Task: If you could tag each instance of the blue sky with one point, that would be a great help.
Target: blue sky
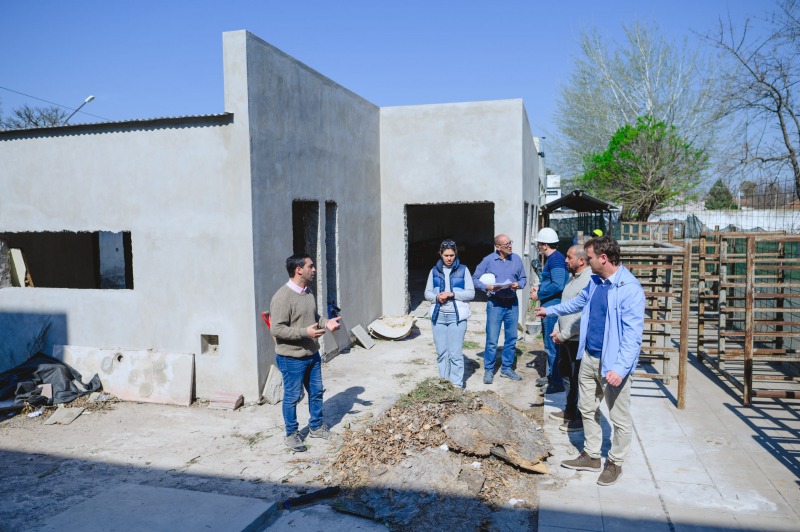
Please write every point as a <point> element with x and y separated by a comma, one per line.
<point>148,58</point>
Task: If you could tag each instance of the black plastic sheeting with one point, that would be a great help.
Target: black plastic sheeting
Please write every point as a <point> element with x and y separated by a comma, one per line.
<point>22,383</point>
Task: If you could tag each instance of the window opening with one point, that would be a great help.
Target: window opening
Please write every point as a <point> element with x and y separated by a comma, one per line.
<point>85,260</point>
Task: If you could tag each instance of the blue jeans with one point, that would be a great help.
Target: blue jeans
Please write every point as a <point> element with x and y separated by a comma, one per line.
<point>551,349</point>
<point>299,373</point>
<point>448,335</point>
<point>506,313</point>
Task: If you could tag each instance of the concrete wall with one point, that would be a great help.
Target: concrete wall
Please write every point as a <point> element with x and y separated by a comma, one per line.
<point>184,194</point>
<point>463,152</point>
<point>312,140</point>
<point>209,208</point>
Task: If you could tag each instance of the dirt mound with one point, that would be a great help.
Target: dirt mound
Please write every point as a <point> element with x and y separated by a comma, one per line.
<point>438,449</point>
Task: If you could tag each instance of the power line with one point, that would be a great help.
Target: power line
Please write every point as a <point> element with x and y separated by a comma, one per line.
<point>53,103</point>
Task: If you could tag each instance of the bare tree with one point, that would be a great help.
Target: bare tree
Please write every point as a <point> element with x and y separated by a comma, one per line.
<point>27,117</point>
<point>759,88</point>
<point>613,84</point>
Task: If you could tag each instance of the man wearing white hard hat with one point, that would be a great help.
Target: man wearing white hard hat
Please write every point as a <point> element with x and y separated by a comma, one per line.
<point>500,274</point>
<point>554,278</point>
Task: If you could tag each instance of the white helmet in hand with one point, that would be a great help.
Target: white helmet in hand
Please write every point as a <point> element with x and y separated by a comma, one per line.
<point>547,236</point>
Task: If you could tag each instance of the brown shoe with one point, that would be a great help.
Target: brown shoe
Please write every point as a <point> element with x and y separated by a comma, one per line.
<point>561,416</point>
<point>576,425</point>
<point>610,474</point>
<point>583,463</point>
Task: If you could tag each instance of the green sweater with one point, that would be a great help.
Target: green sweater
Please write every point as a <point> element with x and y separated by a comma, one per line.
<point>290,315</point>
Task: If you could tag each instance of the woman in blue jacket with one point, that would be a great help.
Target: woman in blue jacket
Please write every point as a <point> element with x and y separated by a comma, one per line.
<point>449,289</point>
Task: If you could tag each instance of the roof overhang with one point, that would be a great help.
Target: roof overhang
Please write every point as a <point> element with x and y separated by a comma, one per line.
<point>578,201</point>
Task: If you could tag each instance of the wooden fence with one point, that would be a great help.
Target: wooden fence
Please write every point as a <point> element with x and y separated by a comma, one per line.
<point>664,271</point>
<point>749,310</point>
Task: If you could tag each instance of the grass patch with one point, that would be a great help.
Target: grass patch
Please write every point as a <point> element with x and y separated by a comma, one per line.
<point>523,348</point>
<point>432,390</point>
<point>469,344</point>
<point>418,361</point>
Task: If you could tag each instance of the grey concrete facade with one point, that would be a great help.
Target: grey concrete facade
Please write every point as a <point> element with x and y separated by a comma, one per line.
<point>453,153</point>
<point>208,202</point>
<point>312,140</point>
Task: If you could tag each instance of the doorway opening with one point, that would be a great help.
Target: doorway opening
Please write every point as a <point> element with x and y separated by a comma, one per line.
<point>332,256</point>
<point>305,231</point>
<point>470,225</point>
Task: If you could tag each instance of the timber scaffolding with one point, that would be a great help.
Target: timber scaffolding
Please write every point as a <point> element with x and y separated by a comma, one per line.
<point>743,304</point>
<point>664,270</point>
<point>749,310</point>
<point>672,232</point>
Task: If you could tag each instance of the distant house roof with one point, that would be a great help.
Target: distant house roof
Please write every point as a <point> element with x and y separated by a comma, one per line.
<point>578,201</point>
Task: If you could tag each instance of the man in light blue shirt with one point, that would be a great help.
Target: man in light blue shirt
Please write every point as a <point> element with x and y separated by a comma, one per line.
<point>612,322</point>
<point>502,307</point>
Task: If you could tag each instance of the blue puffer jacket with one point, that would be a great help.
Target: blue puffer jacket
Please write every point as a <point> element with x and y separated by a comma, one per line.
<point>458,285</point>
<point>622,339</point>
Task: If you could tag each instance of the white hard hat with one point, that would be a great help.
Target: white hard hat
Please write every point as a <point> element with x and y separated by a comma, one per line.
<point>547,236</point>
<point>487,278</point>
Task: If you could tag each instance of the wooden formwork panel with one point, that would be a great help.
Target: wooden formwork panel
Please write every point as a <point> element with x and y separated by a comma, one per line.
<point>749,307</point>
<point>663,269</point>
<point>670,232</point>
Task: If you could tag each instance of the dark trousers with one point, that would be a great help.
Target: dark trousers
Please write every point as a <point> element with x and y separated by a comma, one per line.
<point>569,368</point>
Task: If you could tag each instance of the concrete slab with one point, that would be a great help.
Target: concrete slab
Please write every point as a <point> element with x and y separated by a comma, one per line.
<point>716,465</point>
<point>131,507</point>
<point>634,517</point>
<point>322,517</point>
<point>557,511</point>
<point>147,376</point>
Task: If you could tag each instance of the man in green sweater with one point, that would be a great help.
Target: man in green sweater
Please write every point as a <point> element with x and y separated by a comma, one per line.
<point>296,326</point>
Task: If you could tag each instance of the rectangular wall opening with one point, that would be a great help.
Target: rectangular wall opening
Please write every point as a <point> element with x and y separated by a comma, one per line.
<point>471,225</point>
<point>332,253</point>
<point>87,259</point>
<point>209,344</point>
<point>305,231</point>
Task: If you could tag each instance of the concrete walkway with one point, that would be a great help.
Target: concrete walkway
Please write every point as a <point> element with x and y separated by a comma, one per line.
<point>714,466</point>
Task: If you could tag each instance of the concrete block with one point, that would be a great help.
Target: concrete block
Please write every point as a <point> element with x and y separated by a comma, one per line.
<point>363,337</point>
<point>64,416</point>
<point>273,389</point>
<point>145,376</point>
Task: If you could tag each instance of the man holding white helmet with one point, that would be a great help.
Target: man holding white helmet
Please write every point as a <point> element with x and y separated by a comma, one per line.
<point>554,278</point>
<point>500,274</point>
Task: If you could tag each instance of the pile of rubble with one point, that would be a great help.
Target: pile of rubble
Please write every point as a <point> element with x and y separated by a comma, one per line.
<point>440,453</point>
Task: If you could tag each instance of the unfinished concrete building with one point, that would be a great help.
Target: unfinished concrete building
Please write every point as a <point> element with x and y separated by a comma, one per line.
<point>171,233</point>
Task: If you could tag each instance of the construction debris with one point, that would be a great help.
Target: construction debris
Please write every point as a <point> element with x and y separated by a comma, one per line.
<point>273,388</point>
<point>392,327</point>
<point>500,430</point>
<point>423,453</point>
<point>64,416</point>
<point>226,401</point>
<point>362,337</point>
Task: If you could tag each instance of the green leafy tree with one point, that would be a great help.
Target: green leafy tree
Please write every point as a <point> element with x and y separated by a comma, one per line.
<point>646,166</point>
<point>720,197</point>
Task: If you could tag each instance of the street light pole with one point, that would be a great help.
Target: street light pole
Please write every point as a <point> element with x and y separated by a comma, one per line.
<point>87,100</point>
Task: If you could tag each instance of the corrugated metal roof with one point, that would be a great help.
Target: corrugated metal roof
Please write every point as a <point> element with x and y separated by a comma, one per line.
<point>121,125</point>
